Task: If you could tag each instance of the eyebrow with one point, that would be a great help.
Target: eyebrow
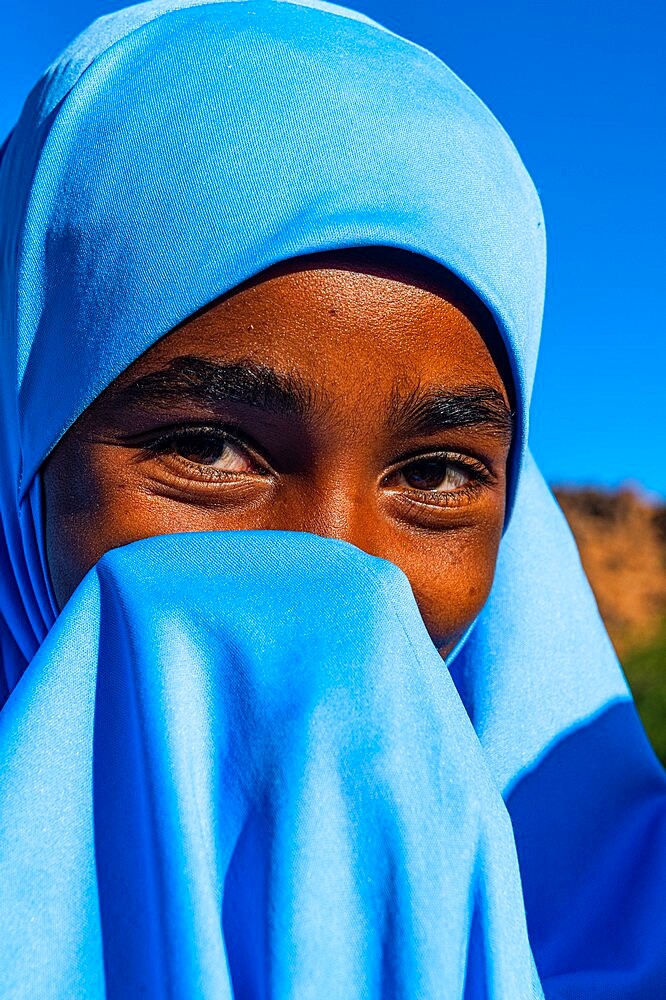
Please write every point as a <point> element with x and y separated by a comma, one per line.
<point>433,410</point>
<point>209,383</point>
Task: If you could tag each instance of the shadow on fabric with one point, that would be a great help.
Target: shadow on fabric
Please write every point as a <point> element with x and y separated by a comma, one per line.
<point>593,860</point>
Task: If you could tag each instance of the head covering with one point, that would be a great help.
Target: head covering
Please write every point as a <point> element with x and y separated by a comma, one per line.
<point>173,151</point>
<point>185,176</point>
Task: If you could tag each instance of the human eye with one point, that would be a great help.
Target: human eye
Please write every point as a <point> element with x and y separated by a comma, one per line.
<point>206,452</point>
<point>446,479</point>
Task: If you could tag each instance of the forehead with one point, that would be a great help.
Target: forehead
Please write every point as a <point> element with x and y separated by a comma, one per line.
<point>345,322</point>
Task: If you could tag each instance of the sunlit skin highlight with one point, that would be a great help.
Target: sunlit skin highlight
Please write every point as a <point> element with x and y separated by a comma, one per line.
<point>346,395</point>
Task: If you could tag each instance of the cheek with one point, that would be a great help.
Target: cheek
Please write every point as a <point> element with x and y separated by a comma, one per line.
<point>451,576</point>
<point>95,503</point>
<point>91,507</point>
<point>104,508</point>
<point>97,499</point>
<point>74,517</point>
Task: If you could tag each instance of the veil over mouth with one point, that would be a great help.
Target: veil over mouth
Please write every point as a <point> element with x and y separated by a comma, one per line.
<point>175,150</point>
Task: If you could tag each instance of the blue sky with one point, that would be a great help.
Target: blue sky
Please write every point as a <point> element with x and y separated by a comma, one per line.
<point>580,88</point>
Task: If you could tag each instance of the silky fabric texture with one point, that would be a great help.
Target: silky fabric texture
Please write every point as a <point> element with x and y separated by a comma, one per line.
<point>173,151</point>
<point>254,829</point>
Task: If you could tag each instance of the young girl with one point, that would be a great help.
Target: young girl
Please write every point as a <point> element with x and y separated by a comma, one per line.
<point>305,694</point>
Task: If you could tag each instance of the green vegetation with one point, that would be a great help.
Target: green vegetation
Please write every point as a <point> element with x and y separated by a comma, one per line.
<point>646,672</point>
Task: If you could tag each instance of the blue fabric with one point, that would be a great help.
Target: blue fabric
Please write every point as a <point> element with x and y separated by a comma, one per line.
<point>235,765</point>
<point>236,813</point>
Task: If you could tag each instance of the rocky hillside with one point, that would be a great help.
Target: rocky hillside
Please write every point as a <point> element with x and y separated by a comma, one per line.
<point>621,537</point>
<point>622,541</point>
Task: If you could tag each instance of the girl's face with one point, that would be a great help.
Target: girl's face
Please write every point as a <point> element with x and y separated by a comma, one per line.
<point>347,400</point>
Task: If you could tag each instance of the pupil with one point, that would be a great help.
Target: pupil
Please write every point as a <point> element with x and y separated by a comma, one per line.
<point>426,475</point>
<point>200,448</point>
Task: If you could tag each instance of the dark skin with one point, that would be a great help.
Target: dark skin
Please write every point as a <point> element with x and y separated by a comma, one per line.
<point>349,395</point>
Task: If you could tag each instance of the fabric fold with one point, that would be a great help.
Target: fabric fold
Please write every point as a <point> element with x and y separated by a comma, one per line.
<point>264,796</point>
<point>234,765</point>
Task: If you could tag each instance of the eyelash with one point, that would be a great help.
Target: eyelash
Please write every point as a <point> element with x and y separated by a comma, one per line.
<point>163,446</point>
<point>480,476</point>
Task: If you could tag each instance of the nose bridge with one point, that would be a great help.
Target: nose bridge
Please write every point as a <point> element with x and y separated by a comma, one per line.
<point>345,510</point>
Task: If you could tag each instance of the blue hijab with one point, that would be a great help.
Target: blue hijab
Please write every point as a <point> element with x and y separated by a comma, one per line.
<point>235,765</point>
